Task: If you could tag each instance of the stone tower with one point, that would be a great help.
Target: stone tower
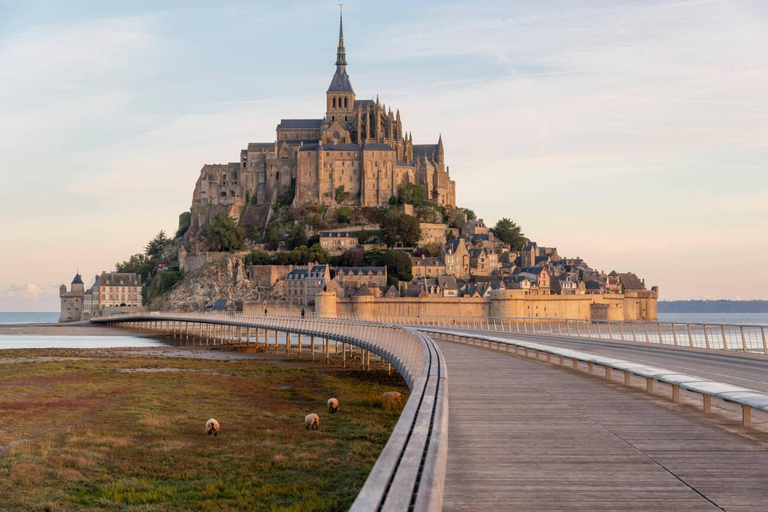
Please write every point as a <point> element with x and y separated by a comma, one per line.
<point>72,301</point>
<point>340,97</point>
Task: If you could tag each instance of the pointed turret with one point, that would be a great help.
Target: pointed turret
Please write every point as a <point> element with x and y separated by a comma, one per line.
<point>440,151</point>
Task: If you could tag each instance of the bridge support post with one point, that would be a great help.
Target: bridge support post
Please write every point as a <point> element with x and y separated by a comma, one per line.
<point>627,378</point>
<point>312,342</point>
<point>327,351</point>
<point>300,345</point>
<point>343,355</point>
<point>575,364</point>
<point>707,403</point>
<point>288,337</point>
<point>675,393</point>
<point>590,367</point>
<point>607,372</point>
<point>746,415</point>
<point>649,384</point>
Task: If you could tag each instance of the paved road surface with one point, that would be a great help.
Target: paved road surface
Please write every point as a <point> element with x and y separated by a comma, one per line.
<point>529,436</point>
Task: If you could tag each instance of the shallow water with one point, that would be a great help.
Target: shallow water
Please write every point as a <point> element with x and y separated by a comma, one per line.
<point>716,318</point>
<point>10,341</point>
<point>28,317</point>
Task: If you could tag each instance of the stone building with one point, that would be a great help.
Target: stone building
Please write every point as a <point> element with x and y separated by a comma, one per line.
<point>456,257</point>
<point>72,301</point>
<point>302,284</point>
<point>113,291</point>
<point>336,242</point>
<point>357,154</point>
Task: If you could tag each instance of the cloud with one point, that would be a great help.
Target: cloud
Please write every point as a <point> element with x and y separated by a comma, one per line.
<point>23,291</point>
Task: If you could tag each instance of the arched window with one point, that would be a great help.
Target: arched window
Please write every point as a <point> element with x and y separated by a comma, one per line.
<point>345,102</point>
<point>334,102</point>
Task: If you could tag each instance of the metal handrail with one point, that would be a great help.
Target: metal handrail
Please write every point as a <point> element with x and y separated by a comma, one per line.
<point>412,463</point>
<point>747,399</point>
<point>730,337</point>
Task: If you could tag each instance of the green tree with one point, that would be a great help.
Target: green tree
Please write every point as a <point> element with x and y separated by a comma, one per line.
<point>341,194</point>
<point>224,235</point>
<point>409,230</point>
<point>140,264</point>
<point>257,258</point>
<point>469,213</point>
<point>510,233</point>
<point>318,255</point>
<point>185,220</point>
<point>457,218</point>
<point>157,245</point>
<point>397,227</point>
<point>354,257</point>
<point>398,264</point>
<point>413,194</point>
<point>389,226</point>
<point>344,215</point>
<point>272,236</point>
<point>298,237</point>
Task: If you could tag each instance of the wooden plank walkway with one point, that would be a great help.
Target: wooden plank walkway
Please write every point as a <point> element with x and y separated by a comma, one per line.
<point>528,436</point>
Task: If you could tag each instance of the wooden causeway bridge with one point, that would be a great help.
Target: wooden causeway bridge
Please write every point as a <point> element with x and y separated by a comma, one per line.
<point>541,420</point>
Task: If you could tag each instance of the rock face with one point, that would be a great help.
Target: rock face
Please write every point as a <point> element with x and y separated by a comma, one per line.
<point>222,279</point>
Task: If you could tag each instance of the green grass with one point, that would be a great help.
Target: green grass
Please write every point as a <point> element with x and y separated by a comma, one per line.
<point>107,430</point>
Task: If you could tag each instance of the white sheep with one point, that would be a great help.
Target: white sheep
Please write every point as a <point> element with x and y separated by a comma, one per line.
<point>333,405</point>
<point>391,396</point>
<point>212,427</point>
<point>312,421</point>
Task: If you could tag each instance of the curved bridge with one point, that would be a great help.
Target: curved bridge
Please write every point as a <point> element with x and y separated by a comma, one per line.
<point>409,473</point>
<point>550,415</point>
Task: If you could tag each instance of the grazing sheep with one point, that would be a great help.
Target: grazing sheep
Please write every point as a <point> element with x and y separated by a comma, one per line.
<point>391,396</point>
<point>333,405</point>
<point>212,427</point>
<point>312,421</point>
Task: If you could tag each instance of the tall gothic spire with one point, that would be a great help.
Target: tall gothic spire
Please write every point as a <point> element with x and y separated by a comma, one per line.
<point>340,81</point>
<point>341,55</point>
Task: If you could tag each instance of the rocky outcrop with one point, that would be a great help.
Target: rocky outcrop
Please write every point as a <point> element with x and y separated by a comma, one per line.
<point>200,288</point>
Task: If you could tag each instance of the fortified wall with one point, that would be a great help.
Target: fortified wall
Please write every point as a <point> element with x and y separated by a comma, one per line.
<point>632,306</point>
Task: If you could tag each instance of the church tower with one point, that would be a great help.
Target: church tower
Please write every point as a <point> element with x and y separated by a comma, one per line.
<point>340,96</point>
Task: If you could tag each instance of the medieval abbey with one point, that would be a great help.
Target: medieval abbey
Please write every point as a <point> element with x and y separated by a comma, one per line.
<point>359,145</point>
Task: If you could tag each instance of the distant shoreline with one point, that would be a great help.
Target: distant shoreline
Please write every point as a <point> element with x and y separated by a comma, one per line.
<point>713,306</point>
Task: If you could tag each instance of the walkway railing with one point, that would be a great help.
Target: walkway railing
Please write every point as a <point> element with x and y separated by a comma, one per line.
<point>410,471</point>
<point>745,338</point>
<point>747,399</point>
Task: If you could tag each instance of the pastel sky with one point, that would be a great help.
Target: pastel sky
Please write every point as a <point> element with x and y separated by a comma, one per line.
<point>633,134</point>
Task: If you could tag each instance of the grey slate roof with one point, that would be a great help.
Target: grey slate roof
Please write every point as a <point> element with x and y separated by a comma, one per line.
<point>378,147</point>
<point>359,270</point>
<point>120,279</point>
<point>364,103</point>
<point>340,81</point>
<point>77,280</point>
<point>420,150</point>
<point>631,282</point>
<point>300,124</point>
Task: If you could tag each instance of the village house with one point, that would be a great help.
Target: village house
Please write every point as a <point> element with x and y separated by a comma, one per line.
<point>357,277</point>
<point>483,262</point>
<point>456,257</point>
<point>336,242</point>
<point>426,266</point>
<point>302,284</point>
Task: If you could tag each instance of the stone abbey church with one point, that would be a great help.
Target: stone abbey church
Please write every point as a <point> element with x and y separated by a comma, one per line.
<point>359,144</point>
